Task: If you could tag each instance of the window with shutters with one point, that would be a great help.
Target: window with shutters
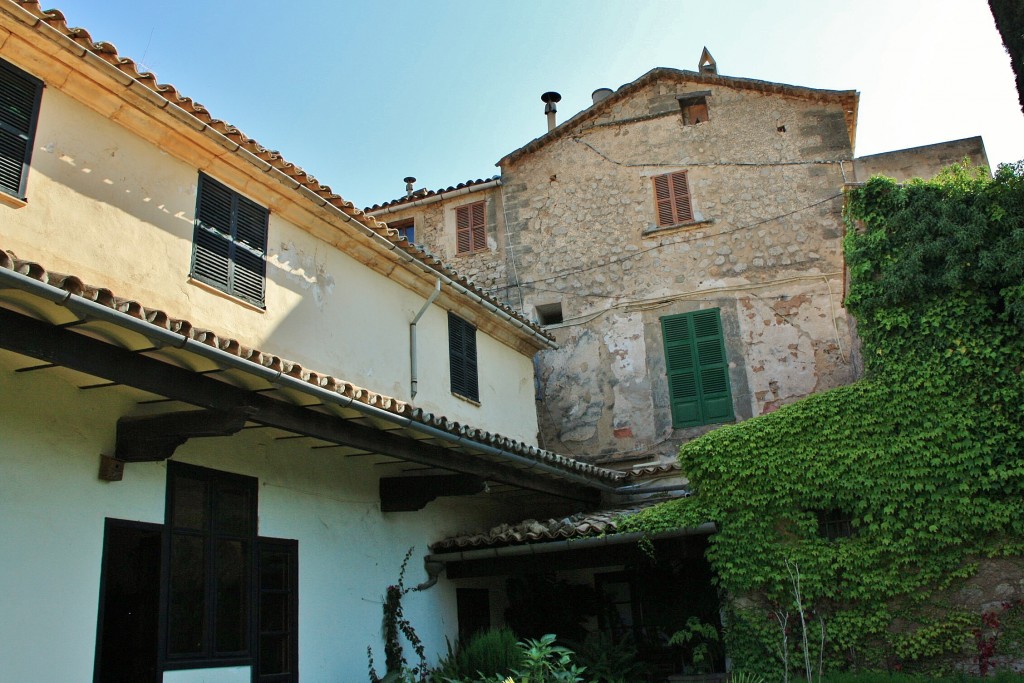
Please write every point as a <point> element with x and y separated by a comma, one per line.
<point>462,357</point>
<point>230,242</point>
<point>470,228</point>
<point>698,371</point>
<point>19,109</point>
<point>672,199</point>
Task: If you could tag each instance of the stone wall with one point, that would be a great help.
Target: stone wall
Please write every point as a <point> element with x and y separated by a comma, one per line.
<point>765,174</point>
<point>921,162</point>
<point>764,248</point>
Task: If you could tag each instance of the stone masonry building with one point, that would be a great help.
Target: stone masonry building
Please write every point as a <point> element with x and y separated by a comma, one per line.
<point>682,239</point>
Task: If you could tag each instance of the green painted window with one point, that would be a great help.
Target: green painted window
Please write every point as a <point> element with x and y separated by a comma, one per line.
<point>698,371</point>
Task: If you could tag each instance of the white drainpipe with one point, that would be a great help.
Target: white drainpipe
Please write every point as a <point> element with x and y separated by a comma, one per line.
<point>412,339</point>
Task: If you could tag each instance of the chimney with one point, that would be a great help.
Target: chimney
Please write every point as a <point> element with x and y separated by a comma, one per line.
<point>707,64</point>
<point>550,99</point>
<point>601,94</point>
<point>408,185</point>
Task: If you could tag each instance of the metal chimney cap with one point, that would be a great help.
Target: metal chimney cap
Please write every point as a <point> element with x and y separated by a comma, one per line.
<point>549,97</point>
<point>409,179</point>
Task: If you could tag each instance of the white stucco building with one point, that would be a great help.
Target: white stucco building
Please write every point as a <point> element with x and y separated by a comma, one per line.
<point>230,401</point>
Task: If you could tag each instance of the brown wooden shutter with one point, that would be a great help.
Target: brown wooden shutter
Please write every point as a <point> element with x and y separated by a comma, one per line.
<point>463,233</point>
<point>478,228</point>
<point>470,228</point>
<point>672,198</point>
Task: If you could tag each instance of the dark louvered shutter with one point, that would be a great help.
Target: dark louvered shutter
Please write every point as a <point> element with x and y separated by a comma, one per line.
<point>19,108</point>
<point>672,198</point>
<point>230,242</point>
<point>462,357</point>
<point>470,228</point>
<point>698,372</point>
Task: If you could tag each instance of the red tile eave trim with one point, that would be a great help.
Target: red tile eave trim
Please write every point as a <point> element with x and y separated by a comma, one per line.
<point>105,297</point>
<point>106,51</point>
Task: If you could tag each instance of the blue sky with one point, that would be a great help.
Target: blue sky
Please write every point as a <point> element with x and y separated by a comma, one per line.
<point>363,93</point>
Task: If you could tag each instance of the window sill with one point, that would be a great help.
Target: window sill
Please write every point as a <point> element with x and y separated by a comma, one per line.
<point>658,229</point>
<point>224,295</point>
<point>472,253</point>
<point>467,399</point>
<point>12,201</point>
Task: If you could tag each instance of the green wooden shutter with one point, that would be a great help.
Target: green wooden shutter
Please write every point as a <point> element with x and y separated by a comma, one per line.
<point>19,109</point>
<point>698,371</point>
<point>462,357</point>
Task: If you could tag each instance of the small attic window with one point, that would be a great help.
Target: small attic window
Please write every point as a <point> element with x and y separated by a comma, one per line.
<point>406,228</point>
<point>549,314</point>
<point>694,106</point>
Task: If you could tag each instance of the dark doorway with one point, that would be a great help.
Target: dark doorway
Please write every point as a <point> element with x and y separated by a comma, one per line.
<point>474,608</point>
<point>126,639</point>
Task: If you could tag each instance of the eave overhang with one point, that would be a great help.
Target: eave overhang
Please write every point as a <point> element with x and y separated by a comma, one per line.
<point>123,343</point>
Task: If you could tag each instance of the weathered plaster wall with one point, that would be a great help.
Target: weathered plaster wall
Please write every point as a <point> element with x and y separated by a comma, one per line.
<point>53,506</point>
<point>921,162</point>
<point>765,176</point>
<point>118,211</point>
<point>765,248</point>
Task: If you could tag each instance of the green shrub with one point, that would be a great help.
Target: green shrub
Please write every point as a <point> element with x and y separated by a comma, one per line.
<point>923,457</point>
<point>484,655</point>
<point>609,661</point>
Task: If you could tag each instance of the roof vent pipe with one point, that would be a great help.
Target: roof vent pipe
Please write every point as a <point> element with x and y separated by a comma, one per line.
<point>550,99</point>
<point>601,94</point>
<point>409,180</point>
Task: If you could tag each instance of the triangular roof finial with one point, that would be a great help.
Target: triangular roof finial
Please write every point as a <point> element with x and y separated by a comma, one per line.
<point>707,63</point>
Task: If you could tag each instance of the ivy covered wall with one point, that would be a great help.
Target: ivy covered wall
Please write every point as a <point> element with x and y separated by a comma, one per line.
<point>916,470</point>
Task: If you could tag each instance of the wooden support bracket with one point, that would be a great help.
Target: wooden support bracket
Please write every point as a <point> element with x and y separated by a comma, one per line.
<point>407,494</point>
<point>155,437</point>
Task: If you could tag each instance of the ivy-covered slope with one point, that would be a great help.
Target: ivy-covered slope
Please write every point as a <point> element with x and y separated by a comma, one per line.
<point>925,455</point>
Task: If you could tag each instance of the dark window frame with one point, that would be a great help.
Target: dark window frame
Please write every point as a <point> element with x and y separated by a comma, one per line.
<point>208,656</point>
<point>462,358</point>
<point>229,242</point>
<point>406,228</point>
<point>25,90</point>
<point>694,107</point>
<point>673,204</point>
<point>290,548</point>
<point>697,369</point>
<point>834,523</point>
<point>471,228</point>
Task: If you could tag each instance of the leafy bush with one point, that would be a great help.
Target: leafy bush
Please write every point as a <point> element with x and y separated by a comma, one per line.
<point>485,655</point>
<point>609,661</point>
<point>924,456</point>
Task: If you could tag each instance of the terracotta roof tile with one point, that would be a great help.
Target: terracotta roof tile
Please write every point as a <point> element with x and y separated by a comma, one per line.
<point>423,194</point>
<point>106,51</point>
<point>158,318</point>
<point>579,525</point>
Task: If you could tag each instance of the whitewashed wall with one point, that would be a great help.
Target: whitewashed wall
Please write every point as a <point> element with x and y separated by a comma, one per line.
<point>117,210</point>
<point>53,506</point>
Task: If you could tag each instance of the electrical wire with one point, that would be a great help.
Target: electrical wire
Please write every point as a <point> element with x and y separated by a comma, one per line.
<point>664,243</point>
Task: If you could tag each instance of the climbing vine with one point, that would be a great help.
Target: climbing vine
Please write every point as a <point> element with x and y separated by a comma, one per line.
<point>923,456</point>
